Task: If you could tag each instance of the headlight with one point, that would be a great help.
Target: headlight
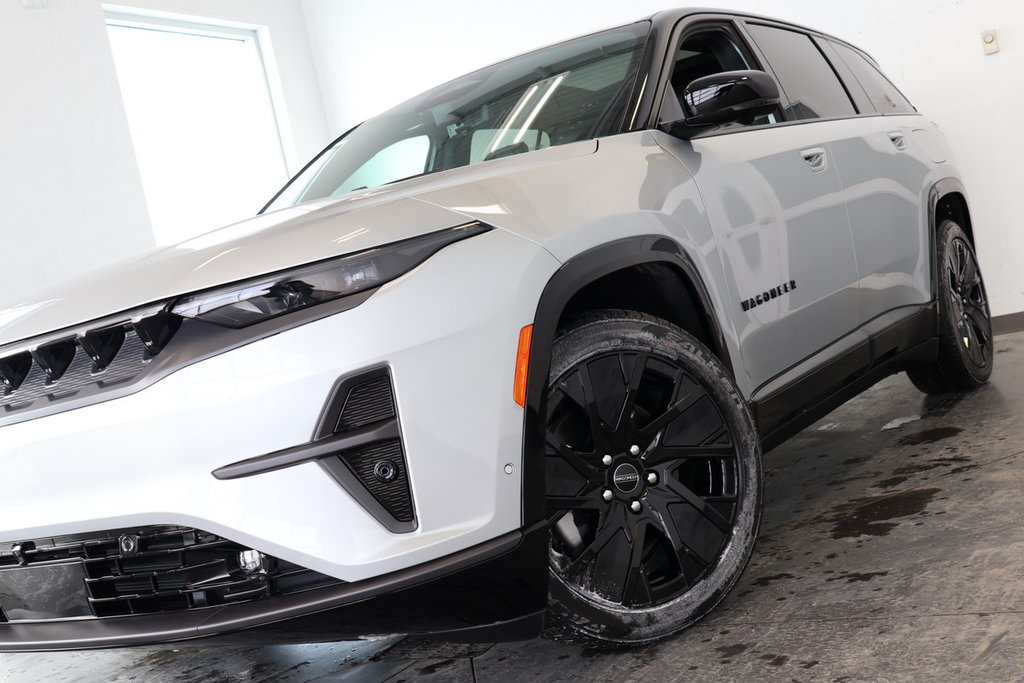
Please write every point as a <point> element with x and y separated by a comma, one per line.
<point>252,301</point>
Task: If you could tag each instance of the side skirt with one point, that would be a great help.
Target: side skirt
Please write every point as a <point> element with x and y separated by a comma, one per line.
<point>810,390</point>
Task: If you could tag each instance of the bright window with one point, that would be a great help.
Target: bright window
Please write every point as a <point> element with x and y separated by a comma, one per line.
<point>202,121</point>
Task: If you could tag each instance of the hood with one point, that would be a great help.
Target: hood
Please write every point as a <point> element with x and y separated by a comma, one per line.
<point>290,237</point>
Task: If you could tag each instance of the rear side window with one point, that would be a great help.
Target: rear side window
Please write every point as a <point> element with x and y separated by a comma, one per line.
<point>813,89</point>
<point>883,94</point>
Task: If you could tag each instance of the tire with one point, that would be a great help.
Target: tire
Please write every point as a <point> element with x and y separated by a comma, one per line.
<point>647,541</point>
<point>965,327</point>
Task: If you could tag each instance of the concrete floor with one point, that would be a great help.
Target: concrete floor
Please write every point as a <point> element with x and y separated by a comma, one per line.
<point>891,549</point>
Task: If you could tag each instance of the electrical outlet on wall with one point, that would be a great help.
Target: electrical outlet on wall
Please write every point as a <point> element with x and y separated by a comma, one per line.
<point>990,42</point>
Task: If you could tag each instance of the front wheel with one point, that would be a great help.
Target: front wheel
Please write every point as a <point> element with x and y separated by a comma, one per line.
<point>965,327</point>
<point>653,481</point>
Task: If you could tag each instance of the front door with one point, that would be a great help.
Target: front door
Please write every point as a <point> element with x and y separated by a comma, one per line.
<point>775,201</point>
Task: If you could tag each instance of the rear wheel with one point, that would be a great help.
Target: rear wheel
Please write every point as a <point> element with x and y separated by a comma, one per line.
<point>965,327</point>
<point>653,481</point>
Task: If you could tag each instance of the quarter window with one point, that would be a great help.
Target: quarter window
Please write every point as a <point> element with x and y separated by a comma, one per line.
<point>883,94</point>
<point>813,89</point>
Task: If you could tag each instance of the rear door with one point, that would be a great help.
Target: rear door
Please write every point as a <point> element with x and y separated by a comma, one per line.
<point>885,162</point>
<point>775,200</point>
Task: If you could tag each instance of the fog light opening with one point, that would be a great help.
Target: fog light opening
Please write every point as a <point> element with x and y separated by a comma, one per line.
<point>252,562</point>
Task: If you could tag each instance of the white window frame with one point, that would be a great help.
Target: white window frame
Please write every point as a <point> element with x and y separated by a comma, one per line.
<point>135,17</point>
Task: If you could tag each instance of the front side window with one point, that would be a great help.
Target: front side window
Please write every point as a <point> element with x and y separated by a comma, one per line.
<point>705,52</point>
<point>883,94</point>
<point>557,95</point>
<point>810,84</point>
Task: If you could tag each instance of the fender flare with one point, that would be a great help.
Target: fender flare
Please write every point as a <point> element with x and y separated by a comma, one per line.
<point>940,189</point>
<point>572,277</point>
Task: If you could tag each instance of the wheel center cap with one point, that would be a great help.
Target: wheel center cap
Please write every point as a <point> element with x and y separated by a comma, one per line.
<point>626,478</point>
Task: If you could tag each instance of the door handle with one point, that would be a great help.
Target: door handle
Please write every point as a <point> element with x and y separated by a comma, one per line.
<point>815,158</point>
<point>898,141</point>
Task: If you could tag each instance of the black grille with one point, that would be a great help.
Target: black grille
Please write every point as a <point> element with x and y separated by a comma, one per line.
<point>160,569</point>
<point>392,493</point>
<point>108,356</point>
<point>378,471</point>
<point>367,403</point>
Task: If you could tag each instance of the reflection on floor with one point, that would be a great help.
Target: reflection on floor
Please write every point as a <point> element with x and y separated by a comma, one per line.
<point>891,548</point>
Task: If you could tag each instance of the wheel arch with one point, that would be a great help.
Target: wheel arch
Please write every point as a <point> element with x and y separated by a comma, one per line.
<point>661,279</point>
<point>947,199</point>
<point>950,201</point>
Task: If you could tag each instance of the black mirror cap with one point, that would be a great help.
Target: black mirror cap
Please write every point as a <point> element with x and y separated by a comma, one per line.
<point>725,97</point>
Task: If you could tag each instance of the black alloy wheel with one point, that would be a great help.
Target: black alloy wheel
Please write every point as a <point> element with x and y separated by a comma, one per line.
<point>968,303</point>
<point>653,480</point>
<point>965,327</point>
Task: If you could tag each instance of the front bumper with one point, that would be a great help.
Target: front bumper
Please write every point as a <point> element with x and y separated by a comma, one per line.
<point>446,331</point>
<point>494,591</point>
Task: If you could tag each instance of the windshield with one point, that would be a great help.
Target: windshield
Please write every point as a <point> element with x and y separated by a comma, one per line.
<point>572,91</point>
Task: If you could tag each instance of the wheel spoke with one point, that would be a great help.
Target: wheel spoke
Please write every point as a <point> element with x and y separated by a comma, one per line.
<point>663,454</point>
<point>975,348</point>
<point>674,410</point>
<point>636,580</point>
<point>960,262</point>
<point>632,389</point>
<point>969,270</point>
<point>701,505</point>
<point>590,471</point>
<point>980,322</point>
<point>980,307</point>
<point>675,536</point>
<point>584,502</point>
<point>597,427</point>
<point>611,524</point>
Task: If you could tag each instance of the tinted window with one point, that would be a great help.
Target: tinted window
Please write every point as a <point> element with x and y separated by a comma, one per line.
<point>702,54</point>
<point>561,94</point>
<point>405,158</point>
<point>883,94</point>
<point>813,89</point>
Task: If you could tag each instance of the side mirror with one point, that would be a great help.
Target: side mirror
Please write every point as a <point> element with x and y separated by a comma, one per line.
<point>725,97</point>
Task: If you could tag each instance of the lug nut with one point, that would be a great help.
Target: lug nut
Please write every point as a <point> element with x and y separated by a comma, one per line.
<point>635,506</point>
<point>652,477</point>
<point>634,450</point>
<point>607,494</point>
<point>607,460</point>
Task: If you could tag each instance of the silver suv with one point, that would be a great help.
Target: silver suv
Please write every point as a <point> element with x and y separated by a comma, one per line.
<point>501,360</point>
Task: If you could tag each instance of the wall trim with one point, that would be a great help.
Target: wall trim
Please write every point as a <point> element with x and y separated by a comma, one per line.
<point>1005,324</point>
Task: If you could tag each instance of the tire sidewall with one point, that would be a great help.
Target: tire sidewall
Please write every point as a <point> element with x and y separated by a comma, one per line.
<point>949,335</point>
<point>609,622</point>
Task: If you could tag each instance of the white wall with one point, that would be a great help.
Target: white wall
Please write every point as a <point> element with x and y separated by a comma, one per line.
<point>70,193</point>
<point>370,56</point>
<point>304,121</point>
<point>71,199</point>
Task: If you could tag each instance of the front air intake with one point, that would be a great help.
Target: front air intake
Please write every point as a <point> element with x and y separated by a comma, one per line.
<point>92,360</point>
<point>139,571</point>
<point>376,474</point>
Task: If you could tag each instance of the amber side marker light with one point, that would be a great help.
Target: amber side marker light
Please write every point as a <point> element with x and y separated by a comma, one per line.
<point>522,365</point>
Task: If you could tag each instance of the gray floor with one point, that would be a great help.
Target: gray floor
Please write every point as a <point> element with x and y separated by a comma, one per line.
<point>891,549</point>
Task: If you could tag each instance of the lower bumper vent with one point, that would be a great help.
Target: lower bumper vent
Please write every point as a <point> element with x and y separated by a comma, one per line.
<point>375,474</point>
<point>139,571</point>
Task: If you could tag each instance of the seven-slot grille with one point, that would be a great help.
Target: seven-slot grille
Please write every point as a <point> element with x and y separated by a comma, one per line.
<point>162,569</point>
<point>59,369</point>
